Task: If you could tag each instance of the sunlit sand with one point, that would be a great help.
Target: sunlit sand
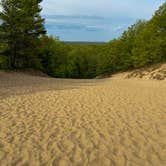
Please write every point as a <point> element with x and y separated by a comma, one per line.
<point>110,122</point>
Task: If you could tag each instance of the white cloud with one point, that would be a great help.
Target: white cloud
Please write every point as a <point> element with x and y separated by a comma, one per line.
<point>132,8</point>
<point>99,20</point>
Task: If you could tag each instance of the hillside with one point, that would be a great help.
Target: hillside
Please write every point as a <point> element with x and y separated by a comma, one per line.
<point>141,44</point>
<point>155,72</point>
<point>59,122</point>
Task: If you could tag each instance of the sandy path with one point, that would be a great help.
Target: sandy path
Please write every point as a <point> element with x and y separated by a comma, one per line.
<point>112,123</point>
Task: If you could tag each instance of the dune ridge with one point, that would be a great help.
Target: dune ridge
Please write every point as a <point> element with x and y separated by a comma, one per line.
<point>154,72</point>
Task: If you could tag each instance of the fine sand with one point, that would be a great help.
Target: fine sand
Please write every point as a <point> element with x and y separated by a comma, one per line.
<point>56,122</point>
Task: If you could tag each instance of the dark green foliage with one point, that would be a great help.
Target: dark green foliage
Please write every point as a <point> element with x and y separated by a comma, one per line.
<point>22,45</point>
<point>143,44</point>
<point>53,54</point>
<point>20,29</point>
<point>82,62</point>
<point>67,60</point>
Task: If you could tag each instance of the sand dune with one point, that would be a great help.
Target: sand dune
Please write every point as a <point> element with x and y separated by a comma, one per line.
<point>110,122</point>
<point>154,72</point>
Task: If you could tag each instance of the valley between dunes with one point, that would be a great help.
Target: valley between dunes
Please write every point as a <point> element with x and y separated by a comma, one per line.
<point>58,122</point>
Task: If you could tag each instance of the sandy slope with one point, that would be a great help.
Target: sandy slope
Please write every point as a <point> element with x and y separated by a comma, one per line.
<point>154,72</point>
<point>44,121</point>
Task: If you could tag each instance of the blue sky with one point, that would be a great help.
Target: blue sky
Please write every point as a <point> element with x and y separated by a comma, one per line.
<point>94,20</point>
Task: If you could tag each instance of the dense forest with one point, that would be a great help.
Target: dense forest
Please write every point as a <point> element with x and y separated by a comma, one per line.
<point>25,44</point>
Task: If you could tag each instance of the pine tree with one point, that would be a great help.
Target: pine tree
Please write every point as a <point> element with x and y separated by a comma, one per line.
<point>21,29</point>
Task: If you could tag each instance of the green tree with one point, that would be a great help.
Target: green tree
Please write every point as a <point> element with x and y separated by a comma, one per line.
<point>21,28</point>
<point>53,54</point>
<point>150,43</point>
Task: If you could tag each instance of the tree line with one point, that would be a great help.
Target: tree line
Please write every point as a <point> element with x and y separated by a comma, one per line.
<point>25,44</point>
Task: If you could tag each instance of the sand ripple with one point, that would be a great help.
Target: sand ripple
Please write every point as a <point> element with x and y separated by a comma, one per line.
<point>115,123</point>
